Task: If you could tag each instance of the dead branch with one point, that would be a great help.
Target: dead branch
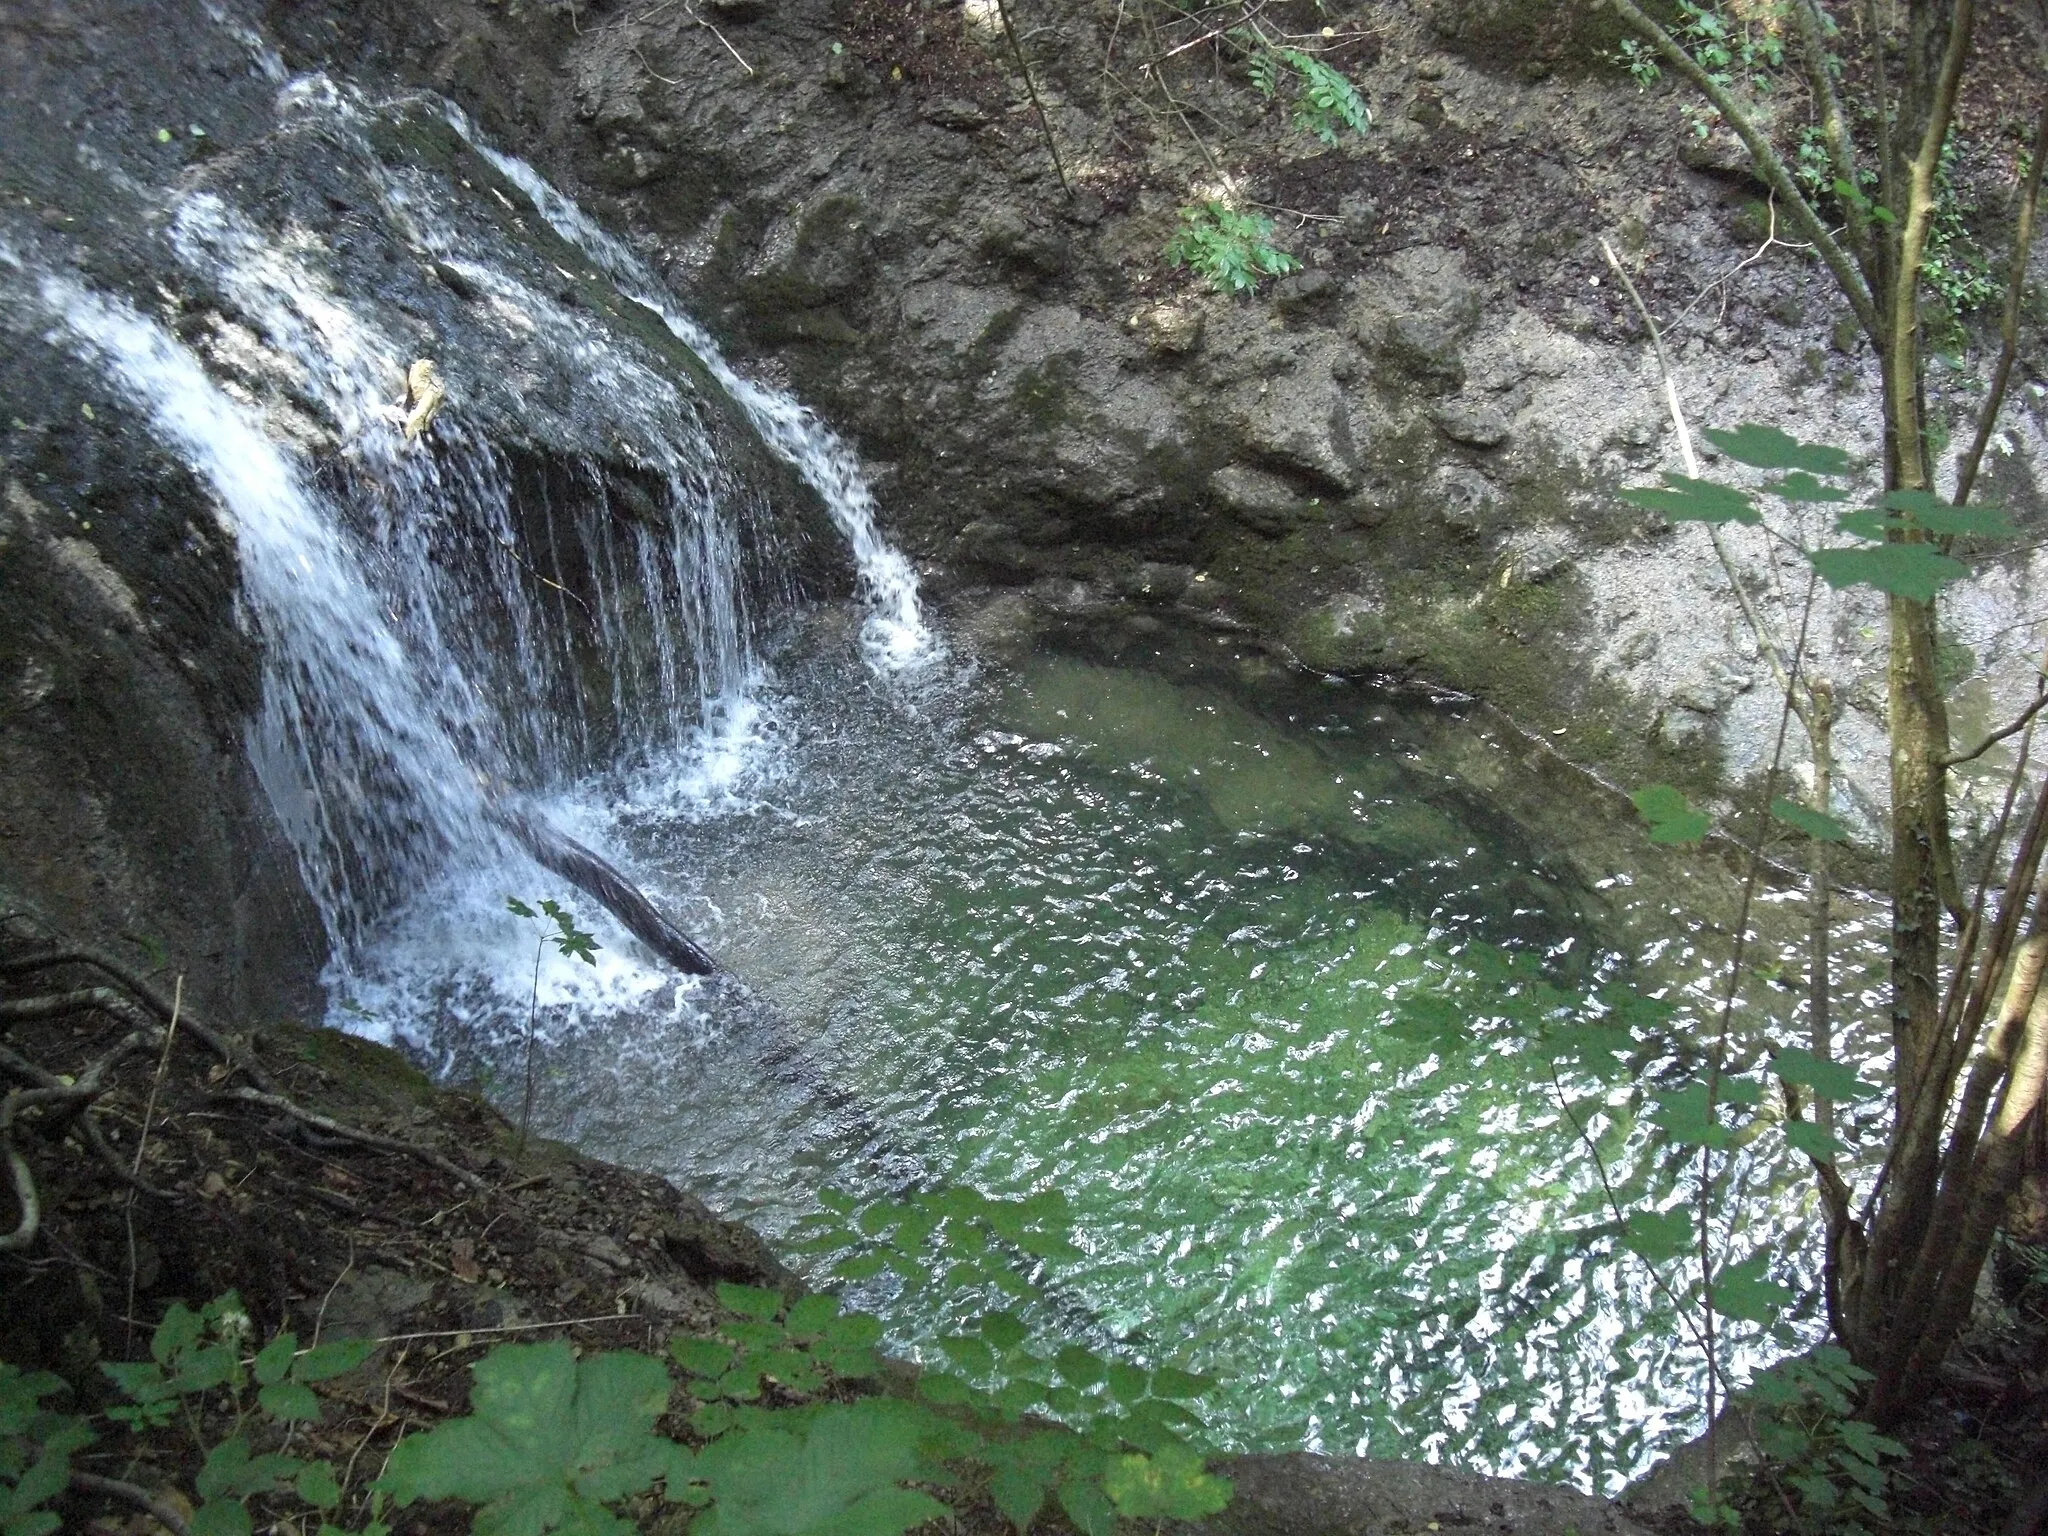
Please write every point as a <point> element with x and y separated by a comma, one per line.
<point>304,1116</point>
<point>159,1510</point>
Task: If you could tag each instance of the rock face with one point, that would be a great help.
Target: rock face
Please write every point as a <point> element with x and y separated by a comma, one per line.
<point>1306,1495</point>
<point>300,244</point>
<point>1433,413</point>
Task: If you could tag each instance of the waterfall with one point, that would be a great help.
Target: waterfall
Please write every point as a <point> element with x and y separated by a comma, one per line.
<point>345,729</point>
<point>554,615</point>
<point>895,633</point>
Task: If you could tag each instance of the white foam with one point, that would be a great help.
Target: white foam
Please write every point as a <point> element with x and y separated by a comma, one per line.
<point>896,635</point>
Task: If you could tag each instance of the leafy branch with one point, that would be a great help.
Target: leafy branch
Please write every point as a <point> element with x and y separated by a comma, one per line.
<point>570,942</point>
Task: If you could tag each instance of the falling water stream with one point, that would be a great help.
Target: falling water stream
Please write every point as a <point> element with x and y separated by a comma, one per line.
<point>1245,964</point>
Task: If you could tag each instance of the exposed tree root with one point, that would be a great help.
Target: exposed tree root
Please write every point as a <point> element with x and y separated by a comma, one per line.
<point>62,1107</point>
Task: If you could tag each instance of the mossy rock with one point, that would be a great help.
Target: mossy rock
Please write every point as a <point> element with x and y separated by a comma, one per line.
<point>1346,634</point>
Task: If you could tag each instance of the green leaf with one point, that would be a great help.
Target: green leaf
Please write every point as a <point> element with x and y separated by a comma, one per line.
<point>1171,1381</point>
<point>714,1419</point>
<point>1800,486</point>
<point>1685,500</point>
<point>220,1517</point>
<point>1658,1235</point>
<point>862,1266</point>
<point>1916,571</point>
<point>1003,1329</point>
<point>1024,1473</point>
<point>1829,1079</point>
<point>325,1361</point>
<point>1083,1367</point>
<point>551,1439</point>
<point>287,1401</point>
<point>1088,1507</point>
<point>1813,1140</point>
<point>230,1472</point>
<point>700,1356</point>
<point>1765,447</point>
<point>1688,1118</point>
<point>275,1359</point>
<point>143,1381</point>
<point>519,908</point>
<point>1742,1292</point>
<point>1814,824</point>
<point>317,1486</point>
<point>811,1316</point>
<point>1925,510</point>
<point>969,1352</point>
<point>946,1391</point>
<point>1670,819</point>
<point>1128,1383</point>
<point>1017,1397</point>
<point>1870,524</point>
<point>750,1301</point>
<point>837,1475</point>
<point>203,1369</point>
<point>856,1330</point>
<point>1170,1485</point>
<point>1740,1090</point>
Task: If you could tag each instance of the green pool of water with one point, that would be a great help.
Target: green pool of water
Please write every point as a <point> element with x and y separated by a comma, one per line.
<point>1265,975</point>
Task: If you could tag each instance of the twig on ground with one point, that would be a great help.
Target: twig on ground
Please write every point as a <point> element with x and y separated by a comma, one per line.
<point>332,1127</point>
<point>159,1510</point>
<point>163,1062</point>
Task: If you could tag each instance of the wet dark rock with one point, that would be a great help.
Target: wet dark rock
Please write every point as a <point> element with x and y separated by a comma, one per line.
<point>457,283</point>
<point>1156,583</point>
<point>957,113</point>
<point>1464,501</point>
<point>1307,1495</point>
<point>1305,293</point>
<point>1476,423</point>
<point>1170,328</point>
<point>1261,500</point>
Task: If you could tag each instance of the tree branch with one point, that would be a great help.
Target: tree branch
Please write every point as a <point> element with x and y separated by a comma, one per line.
<point>157,1509</point>
<point>2009,331</point>
<point>1769,164</point>
<point>31,1220</point>
<point>1834,129</point>
<point>1996,736</point>
<point>285,1106</point>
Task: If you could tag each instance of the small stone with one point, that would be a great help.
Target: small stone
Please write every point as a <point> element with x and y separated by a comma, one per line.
<point>1304,291</point>
<point>737,10</point>
<point>1259,499</point>
<point>1157,583</point>
<point>1476,423</point>
<point>957,114</point>
<point>1170,328</point>
<point>457,282</point>
<point>1465,500</point>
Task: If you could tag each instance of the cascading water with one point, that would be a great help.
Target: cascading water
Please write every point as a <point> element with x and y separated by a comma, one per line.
<point>896,634</point>
<point>346,730</point>
<point>465,635</point>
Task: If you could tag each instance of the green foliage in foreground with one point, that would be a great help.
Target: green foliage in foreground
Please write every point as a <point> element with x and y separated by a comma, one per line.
<point>1325,102</point>
<point>1231,249</point>
<point>774,1432</point>
<point>1904,545</point>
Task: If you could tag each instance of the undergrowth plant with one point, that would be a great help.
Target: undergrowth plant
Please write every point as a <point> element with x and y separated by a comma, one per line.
<point>783,1420</point>
<point>1228,247</point>
<point>1808,1416</point>
<point>570,942</point>
<point>1325,100</point>
<point>237,1406</point>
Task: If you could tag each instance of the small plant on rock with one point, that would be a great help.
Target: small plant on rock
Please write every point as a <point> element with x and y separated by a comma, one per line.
<point>570,941</point>
<point>1230,248</point>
